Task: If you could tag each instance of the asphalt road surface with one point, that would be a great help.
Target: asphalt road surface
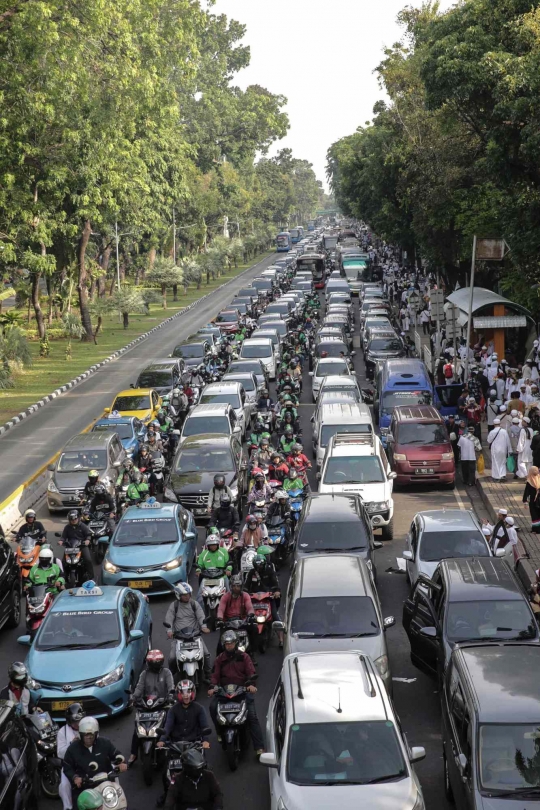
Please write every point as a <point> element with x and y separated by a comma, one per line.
<point>415,695</point>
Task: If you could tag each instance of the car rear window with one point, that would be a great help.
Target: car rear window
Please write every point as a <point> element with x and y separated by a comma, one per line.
<point>330,430</point>
<point>334,616</point>
<point>320,536</point>
<point>261,350</point>
<point>206,424</point>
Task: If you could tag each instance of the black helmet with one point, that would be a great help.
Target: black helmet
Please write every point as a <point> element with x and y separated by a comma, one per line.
<point>193,763</point>
<point>73,515</point>
<point>226,501</point>
<point>229,637</point>
<point>17,673</point>
<point>74,713</point>
<point>259,563</point>
<point>251,519</point>
<point>219,481</point>
<point>236,580</point>
<point>100,489</point>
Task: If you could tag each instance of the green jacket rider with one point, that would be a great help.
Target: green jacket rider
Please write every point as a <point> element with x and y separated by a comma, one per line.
<point>47,572</point>
<point>213,556</point>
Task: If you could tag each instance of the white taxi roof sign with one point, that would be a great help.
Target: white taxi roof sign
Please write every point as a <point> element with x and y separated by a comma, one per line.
<point>87,589</point>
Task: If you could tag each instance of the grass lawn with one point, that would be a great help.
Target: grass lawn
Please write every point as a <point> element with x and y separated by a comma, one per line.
<point>51,372</point>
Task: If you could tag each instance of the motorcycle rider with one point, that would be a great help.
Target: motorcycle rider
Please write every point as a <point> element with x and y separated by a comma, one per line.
<point>261,491</point>
<point>280,507</point>
<point>287,441</point>
<point>155,679</point>
<point>226,515</point>
<point>278,469</point>
<point>184,614</point>
<point>93,478</point>
<point>237,604</point>
<point>195,785</point>
<point>298,459</point>
<point>66,735</point>
<point>128,469</point>
<point>31,526</point>
<point>234,666</point>
<point>103,498</point>
<point>293,480</point>
<point>196,378</point>
<point>153,440</point>
<point>217,492</point>
<point>212,556</point>
<point>261,456</point>
<point>17,691</point>
<point>265,401</point>
<point>46,572</point>
<point>76,534</point>
<point>90,748</point>
<point>187,719</point>
<point>263,577</point>
<point>252,534</point>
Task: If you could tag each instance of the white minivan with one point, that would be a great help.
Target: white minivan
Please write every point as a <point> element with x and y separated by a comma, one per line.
<point>260,349</point>
<point>344,417</point>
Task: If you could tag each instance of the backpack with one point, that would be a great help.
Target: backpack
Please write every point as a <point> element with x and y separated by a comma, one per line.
<point>448,371</point>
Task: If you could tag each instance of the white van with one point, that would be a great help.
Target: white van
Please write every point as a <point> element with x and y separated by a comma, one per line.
<point>260,349</point>
<point>343,417</point>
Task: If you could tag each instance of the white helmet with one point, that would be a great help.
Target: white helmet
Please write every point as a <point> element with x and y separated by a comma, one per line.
<point>30,513</point>
<point>281,495</point>
<point>88,725</point>
<point>182,589</point>
<point>47,553</point>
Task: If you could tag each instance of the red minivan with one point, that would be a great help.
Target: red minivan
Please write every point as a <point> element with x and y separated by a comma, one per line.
<point>419,447</point>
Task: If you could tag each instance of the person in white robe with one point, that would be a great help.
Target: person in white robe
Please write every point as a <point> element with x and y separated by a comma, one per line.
<point>499,444</point>
<point>524,459</point>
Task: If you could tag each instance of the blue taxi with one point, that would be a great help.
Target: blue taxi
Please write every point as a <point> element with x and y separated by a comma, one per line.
<point>130,430</point>
<point>90,649</point>
<point>152,548</point>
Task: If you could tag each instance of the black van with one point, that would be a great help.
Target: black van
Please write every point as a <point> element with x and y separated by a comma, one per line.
<point>19,783</point>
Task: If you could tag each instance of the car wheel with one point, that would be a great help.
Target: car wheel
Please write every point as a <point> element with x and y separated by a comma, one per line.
<point>448,792</point>
<point>388,531</point>
<point>15,610</point>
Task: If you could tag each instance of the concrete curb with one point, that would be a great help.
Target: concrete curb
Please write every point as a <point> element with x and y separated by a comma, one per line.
<point>20,417</point>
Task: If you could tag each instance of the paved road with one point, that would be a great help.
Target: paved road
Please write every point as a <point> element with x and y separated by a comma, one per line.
<point>417,702</point>
<point>47,430</point>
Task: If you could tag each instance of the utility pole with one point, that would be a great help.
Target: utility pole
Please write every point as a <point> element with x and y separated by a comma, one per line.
<point>173,236</point>
<point>469,320</point>
<point>117,255</point>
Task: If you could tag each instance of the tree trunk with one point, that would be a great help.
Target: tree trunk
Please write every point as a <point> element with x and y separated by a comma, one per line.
<point>98,327</point>
<point>164,294</point>
<point>151,259</point>
<point>175,292</point>
<point>125,318</point>
<point>40,320</point>
<point>102,283</point>
<point>81,284</point>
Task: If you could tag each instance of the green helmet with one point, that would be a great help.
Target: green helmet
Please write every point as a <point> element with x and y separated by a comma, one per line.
<point>265,551</point>
<point>264,435</point>
<point>90,800</point>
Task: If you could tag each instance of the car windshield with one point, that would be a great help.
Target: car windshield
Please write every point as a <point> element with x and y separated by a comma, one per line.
<point>247,382</point>
<point>385,345</point>
<point>435,546</point>
<point>228,399</point>
<point>509,757</point>
<point>204,460</point>
<point>191,350</point>
<point>332,349</point>
<point>227,317</point>
<point>422,433</point>
<point>124,430</point>
<point>155,379</point>
<point>327,616</point>
<point>353,470</point>
<point>504,619</point>
<point>318,535</point>
<point>392,399</point>
<point>206,424</point>
<point>80,460</point>
<point>281,309</point>
<point>344,753</point>
<point>255,368</point>
<point>279,326</point>
<point>260,350</point>
<point>135,402</point>
<point>150,531</point>
<point>73,629</point>
<point>338,367</point>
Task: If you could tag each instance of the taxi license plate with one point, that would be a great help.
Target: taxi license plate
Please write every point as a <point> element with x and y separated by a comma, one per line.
<point>424,471</point>
<point>140,583</point>
<point>61,705</point>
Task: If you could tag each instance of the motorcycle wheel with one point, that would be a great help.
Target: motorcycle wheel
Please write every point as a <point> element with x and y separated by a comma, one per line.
<point>50,780</point>
<point>263,641</point>
<point>211,620</point>
<point>147,768</point>
<point>72,579</point>
<point>232,755</point>
<point>100,553</point>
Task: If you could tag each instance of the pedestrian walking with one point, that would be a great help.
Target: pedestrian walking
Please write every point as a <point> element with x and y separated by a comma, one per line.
<point>531,495</point>
<point>524,452</point>
<point>513,434</point>
<point>500,447</point>
<point>424,320</point>
<point>492,408</point>
<point>469,445</point>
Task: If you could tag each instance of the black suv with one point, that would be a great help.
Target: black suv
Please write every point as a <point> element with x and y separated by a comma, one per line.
<point>193,353</point>
<point>471,599</point>
<point>10,586</point>
<point>336,523</point>
<point>19,787</point>
<point>198,459</point>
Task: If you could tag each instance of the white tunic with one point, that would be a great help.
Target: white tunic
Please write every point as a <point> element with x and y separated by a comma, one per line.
<point>500,446</point>
<point>524,459</point>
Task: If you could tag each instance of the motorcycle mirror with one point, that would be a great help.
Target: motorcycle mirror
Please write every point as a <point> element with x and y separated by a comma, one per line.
<point>57,534</point>
<point>206,731</point>
<point>51,467</point>
<point>168,626</point>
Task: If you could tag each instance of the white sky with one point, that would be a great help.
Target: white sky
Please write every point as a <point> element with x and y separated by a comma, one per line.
<point>320,54</point>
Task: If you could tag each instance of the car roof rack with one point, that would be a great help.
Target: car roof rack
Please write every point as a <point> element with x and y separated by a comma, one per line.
<point>341,439</point>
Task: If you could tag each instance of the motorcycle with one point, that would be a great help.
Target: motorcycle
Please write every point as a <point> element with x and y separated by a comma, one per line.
<point>240,628</point>
<point>212,587</point>
<point>107,785</point>
<point>279,539</point>
<point>189,655</point>
<point>28,552</point>
<point>99,526</point>
<point>44,732</point>
<point>149,719</point>
<point>246,561</point>
<point>296,502</point>
<point>258,506</point>
<point>263,617</point>
<point>74,567</point>
<point>38,604</point>
<point>174,762</point>
<point>232,719</point>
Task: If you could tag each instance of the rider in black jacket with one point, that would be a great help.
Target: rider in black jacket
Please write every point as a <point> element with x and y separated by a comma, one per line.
<point>226,515</point>
<point>90,748</point>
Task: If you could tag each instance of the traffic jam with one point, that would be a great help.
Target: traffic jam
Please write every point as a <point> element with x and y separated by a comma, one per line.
<point>254,576</point>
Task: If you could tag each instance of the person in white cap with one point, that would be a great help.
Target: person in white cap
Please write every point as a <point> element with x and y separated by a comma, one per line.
<point>524,457</point>
<point>500,447</point>
<point>505,416</point>
<point>506,537</point>
<point>492,408</point>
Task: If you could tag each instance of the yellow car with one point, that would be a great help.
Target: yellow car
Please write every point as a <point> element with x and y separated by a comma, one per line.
<point>144,403</point>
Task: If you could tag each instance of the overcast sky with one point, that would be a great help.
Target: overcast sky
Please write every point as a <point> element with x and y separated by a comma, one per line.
<point>320,54</point>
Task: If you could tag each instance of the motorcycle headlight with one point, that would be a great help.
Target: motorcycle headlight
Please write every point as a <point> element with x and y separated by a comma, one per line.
<point>141,731</point>
<point>110,567</point>
<point>382,665</point>
<point>32,684</point>
<point>234,492</point>
<point>240,717</point>
<point>112,677</point>
<point>111,797</point>
<point>176,563</point>
<point>52,486</point>
<point>221,718</point>
<point>261,619</point>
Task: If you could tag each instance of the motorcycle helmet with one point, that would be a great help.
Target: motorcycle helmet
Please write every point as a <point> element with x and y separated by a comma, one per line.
<point>46,558</point>
<point>155,660</point>
<point>264,393</point>
<point>264,440</point>
<point>219,481</point>
<point>259,563</point>
<point>186,687</point>
<point>128,464</point>
<point>229,637</point>
<point>161,417</point>
<point>182,589</point>
<point>17,673</point>
<point>90,800</point>
<point>281,495</point>
<point>237,581</point>
<point>213,530</point>
<point>74,713</point>
<point>251,521</point>
<point>297,448</point>
<point>73,515</point>
<point>259,477</point>
<point>100,490</point>
<point>265,551</point>
<point>193,763</point>
<point>225,502</point>
<point>30,514</point>
<point>289,431</point>
<point>264,437</point>
<point>93,476</point>
<point>85,514</point>
<point>89,725</point>
<point>212,540</point>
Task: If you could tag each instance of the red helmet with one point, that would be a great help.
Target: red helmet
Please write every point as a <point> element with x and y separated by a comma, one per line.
<point>155,660</point>
<point>256,471</point>
<point>186,688</point>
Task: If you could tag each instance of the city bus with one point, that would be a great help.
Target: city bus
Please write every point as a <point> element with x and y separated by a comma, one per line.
<point>314,264</point>
<point>283,242</point>
<point>297,234</point>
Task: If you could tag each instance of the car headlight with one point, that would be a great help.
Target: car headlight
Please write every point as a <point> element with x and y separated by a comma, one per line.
<point>401,457</point>
<point>382,665</point>
<point>376,506</point>
<point>112,677</point>
<point>447,456</point>
<point>32,684</point>
<point>110,567</point>
<point>176,563</point>
<point>52,487</point>
<point>234,492</point>
<point>170,495</point>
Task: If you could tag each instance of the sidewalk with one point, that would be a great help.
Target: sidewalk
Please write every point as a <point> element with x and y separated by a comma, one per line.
<point>509,496</point>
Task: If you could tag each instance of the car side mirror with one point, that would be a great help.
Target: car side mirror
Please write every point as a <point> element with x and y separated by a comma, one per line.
<point>353,354</point>
<point>408,555</point>
<point>26,640</point>
<point>389,621</point>
<point>278,626</point>
<point>500,552</point>
<point>391,476</point>
<point>428,632</point>
<point>269,760</point>
<point>106,410</point>
<point>51,467</point>
<point>377,544</point>
<point>132,385</point>
<point>135,635</point>
<point>418,752</point>
<point>462,762</point>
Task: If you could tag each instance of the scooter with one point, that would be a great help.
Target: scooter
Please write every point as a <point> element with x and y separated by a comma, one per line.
<point>44,732</point>
<point>240,628</point>
<point>189,655</point>
<point>174,762</point>
<point>28,552</point>
<point>296,502</point>
<point>246,561</point>
<point>263,617</point>
<point>232,719</point>
<point>279,539</point>
<point>107,784</point>
<point>74,567</point>
<point>149,719</point>
<point>99,526</point>
<point>212,587</point>
<point>38,604</point>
